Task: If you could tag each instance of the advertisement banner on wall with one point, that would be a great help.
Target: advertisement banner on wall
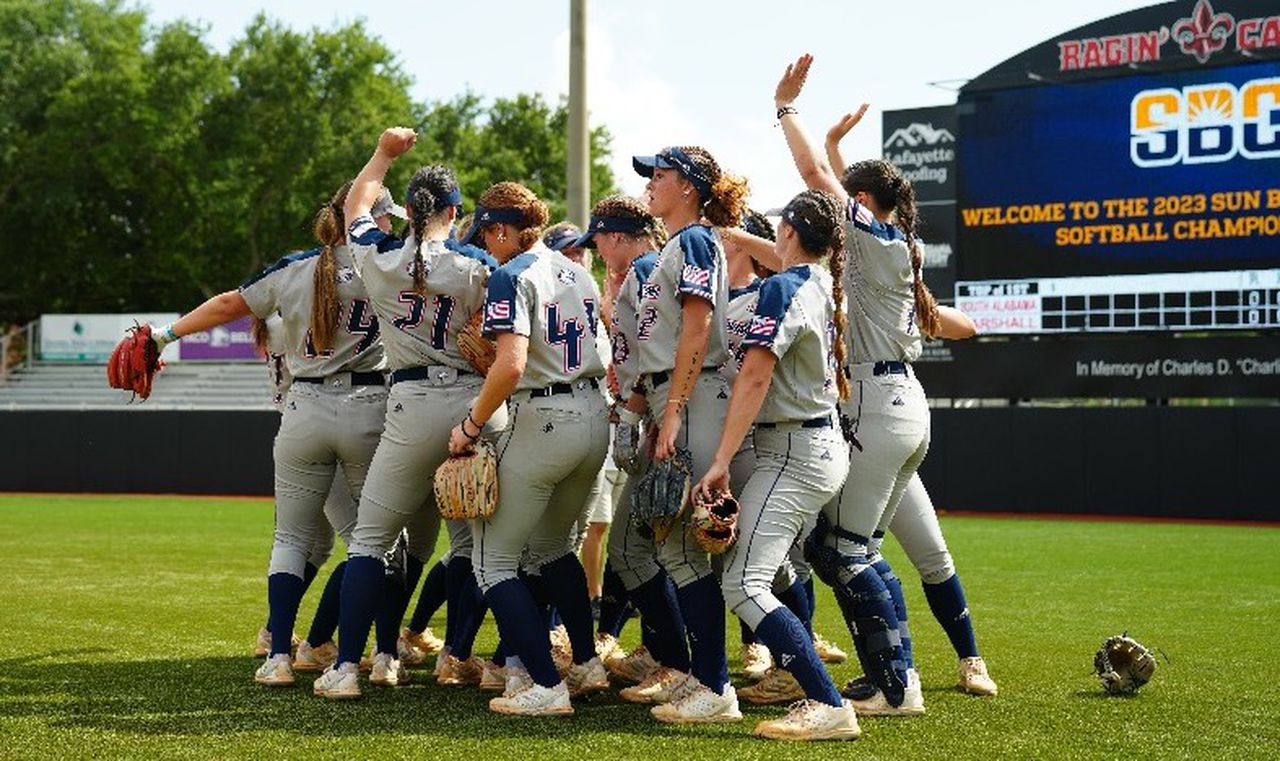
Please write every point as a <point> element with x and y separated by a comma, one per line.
<point>232,342</point>
<point>1060,367</point>
<point>91,337</point>
<point>921,142</point>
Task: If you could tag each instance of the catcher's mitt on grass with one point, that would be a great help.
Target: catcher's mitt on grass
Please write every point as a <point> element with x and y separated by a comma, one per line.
<point>1123,665</point>
<point>467,485</point>
<point>474,347</point>
<point>134,362</point>
<point>714,521</point>
<point>662,493</point>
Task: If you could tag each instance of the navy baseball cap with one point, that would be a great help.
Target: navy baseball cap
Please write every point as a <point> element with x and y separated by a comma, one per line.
<point>673,158</point>
<point>629,225</point>
<point>485,216</point>
<point>562,236</point>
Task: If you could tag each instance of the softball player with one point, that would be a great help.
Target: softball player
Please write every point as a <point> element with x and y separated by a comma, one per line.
<point>888,416</point>
<point>423,293</point>
<point>681,344</point>
<point>915,524</point>
<point>332,414</point>
<point>789,384</point>
<point>626,234</point>
<point>542,308</point>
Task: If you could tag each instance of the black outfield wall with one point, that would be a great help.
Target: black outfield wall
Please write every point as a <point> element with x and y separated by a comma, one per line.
<point>1220,462</point>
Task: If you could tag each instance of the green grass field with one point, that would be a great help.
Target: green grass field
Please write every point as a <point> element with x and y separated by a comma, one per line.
<point>127,623</point>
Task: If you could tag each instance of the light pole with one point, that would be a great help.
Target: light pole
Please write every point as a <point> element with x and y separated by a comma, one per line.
<point>579,180</point>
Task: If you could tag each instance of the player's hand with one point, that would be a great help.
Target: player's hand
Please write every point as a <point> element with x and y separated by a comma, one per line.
<point>460,442</point>
<point>792,81</point>
<point>395,141</point>
<point>846,123</point>
<point>716,481</point>
<point>664,446</point>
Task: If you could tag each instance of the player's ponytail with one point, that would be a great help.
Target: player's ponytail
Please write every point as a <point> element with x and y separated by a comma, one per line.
<point>330,230</point>
<point>428,196</point>
<point>893,192</point>
<point>818,220</point>
<point>729,192</point>
<point>533,211</point>
<point>261,336</point>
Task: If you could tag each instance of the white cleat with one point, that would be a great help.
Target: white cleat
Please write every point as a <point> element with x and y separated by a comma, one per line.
<point>812,720</point>
<point>878,704</point>
<point>634,668</point>
<point>587,677</point>
<point>700,706</point>
<point>756,661</point>
<point>518,680</point>
<point>338,682</point>
<point>493,678</point>
<point>828,652</point>
<point>661,686</point>
<point>262,646</point>
<point>535,701</point>
<point>778,686</point>
<point>387,671</point>
<point>275,671</point>
<point>974,678</point>
<point>316,658</point>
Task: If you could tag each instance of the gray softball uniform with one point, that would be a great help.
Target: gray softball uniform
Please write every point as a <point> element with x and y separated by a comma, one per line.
<point>887,412</point>
<point>332,412</point>
<point>800,453</point>
<point>555,443</point>
<point>915,526</point>
<point>432,385</point>
<point>692,265</point>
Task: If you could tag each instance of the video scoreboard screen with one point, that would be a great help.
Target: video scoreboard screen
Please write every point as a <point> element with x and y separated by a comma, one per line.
<point>1147,202</point>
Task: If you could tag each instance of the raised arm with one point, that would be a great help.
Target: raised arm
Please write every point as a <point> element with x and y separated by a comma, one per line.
<point>813,167</point>
<point>955,325</point>
<point>837,133</point>
<point>218,310</point>
<point>393,142</point>
<point>760,249</point>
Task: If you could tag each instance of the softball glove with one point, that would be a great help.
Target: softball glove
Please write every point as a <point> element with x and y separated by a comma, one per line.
<point>628,434</point>
<point>134,362</point>
<point>466,485</point>
<point>474,347</point>
<point>714,521</point>
<point>662,493</point>
<point>1123,665</point>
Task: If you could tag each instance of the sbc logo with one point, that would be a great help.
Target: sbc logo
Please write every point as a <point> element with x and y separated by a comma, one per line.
<point>1201,124</point>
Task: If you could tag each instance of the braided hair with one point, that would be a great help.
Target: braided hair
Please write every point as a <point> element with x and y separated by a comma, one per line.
<point>822,234</point>
<point>425,197</point>
<point>330,229</point>
<point>891,190</point>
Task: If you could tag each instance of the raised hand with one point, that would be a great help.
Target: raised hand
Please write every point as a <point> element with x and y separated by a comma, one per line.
<point>846,123</point>
<point>792,81</point>
<point>395,141</point>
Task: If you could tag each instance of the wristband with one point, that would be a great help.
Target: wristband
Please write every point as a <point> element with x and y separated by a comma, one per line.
<point>786,110</point>
<point>163,335</point>
<point>627,416</point>
<point>463,427</point>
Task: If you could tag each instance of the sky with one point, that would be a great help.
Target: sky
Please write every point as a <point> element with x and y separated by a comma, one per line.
<point>689,72</point>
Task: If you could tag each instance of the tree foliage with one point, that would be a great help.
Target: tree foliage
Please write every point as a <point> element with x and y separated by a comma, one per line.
<point>141,169</point>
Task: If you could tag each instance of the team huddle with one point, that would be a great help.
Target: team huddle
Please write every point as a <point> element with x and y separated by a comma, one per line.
<point>768,370</point>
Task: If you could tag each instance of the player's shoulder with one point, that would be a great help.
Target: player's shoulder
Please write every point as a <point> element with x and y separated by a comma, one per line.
<point>864,221</point>
<point>778,291</point>
<point>471,253</point>
<point>750,290</point>
<point>282,264</point>
<point>506,279</point>
<point>365,233</point>
<point>642,266</point>
<point>698,241</point>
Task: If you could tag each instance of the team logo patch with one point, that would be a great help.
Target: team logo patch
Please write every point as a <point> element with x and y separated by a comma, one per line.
<point>566,276</point>
<point>650,291</point>
<point>786,659</point>
<point>897,401</point>
<point>499,310</point>
<point>548,428</point>
<point>399,407</point>
<point>346,274</point>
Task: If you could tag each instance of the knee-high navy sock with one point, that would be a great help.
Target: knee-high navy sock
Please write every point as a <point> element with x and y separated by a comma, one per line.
<point>284,593</point>
<point>470,617</point>
<point>615,604</point>
<point>702,605</point>
<point>949,606</point>
<point>553,617</point>
<point>813,597</point>
<point>894,585</point>
<point>871,618</point>
<point>395,598</point>
<point>797,602</point>
<point>325,622</point>
<point>538,589</point>
<point>748,636</point>
<point>457,575</point>
<point>434,592</point>
<point>782,631</point>
<point>566,583</point>
<point>518,622</point>
<point>362,585</point>
<point>664,632</point>
<point>500,653</point>
<point>309,572</point>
